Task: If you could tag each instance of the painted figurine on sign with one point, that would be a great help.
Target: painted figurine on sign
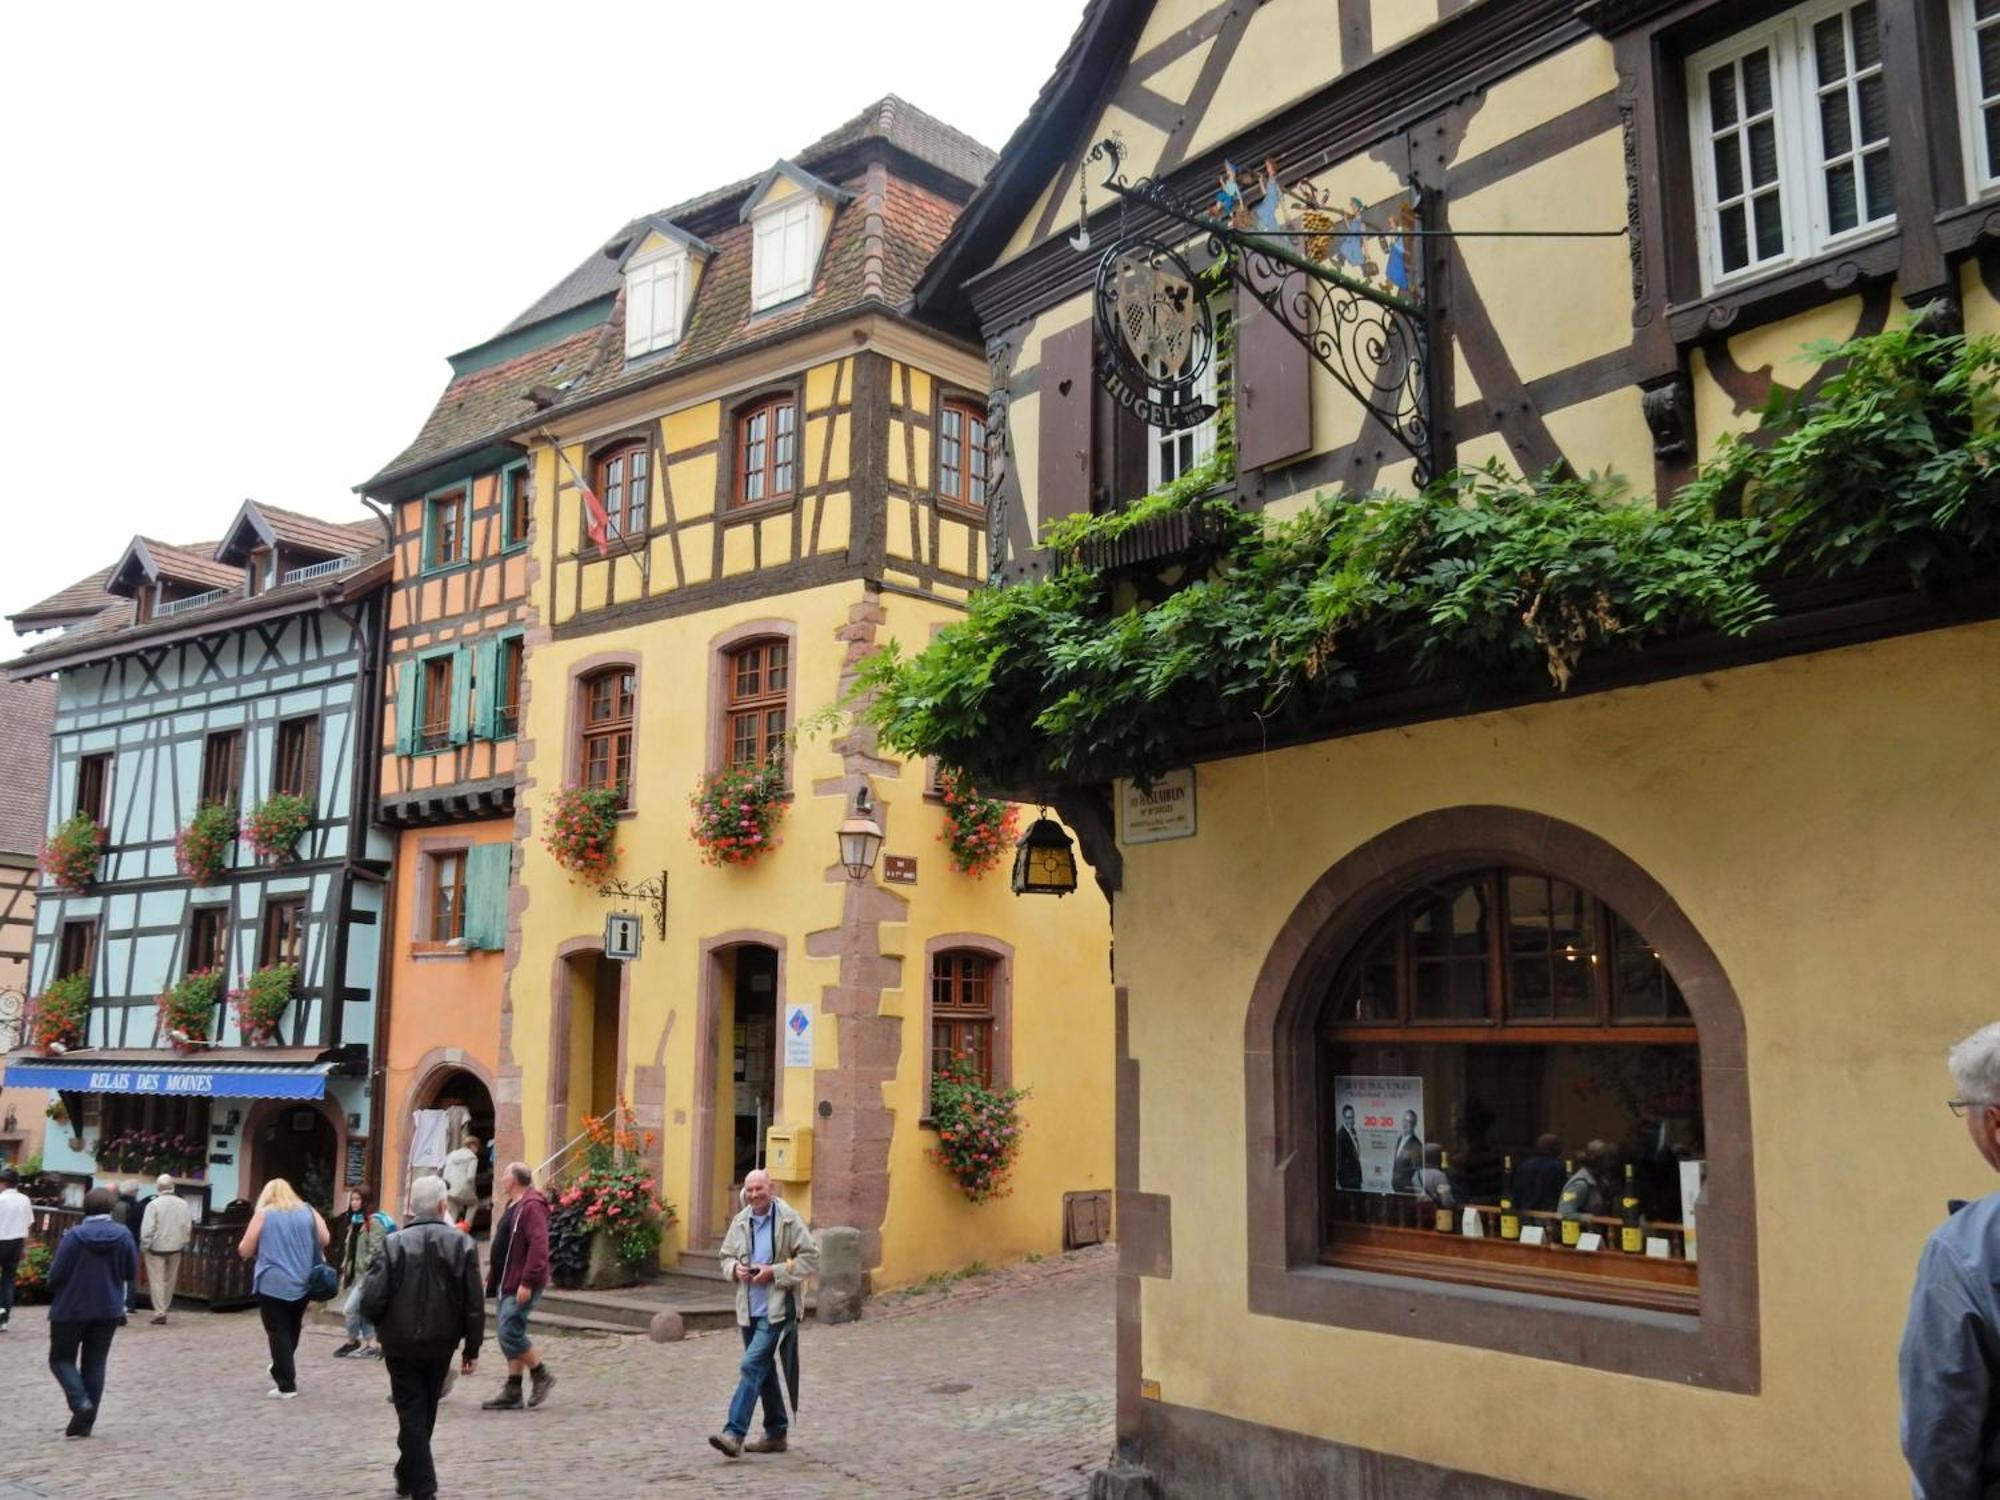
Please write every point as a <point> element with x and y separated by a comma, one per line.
<point>1396,243</point>
<point>1351,249</point>
<point>1268,206</point>
<point>1317,217</point>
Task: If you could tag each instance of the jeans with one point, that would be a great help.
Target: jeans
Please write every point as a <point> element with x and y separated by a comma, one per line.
<point>358,1327</point>
<point>10,1260</point>
<point>758,1376</point>
<point>416,1381</point>
<point>91,1341</point>
<point>282,1322</point>
<point>513,1320</point>
<point>163,1274</point>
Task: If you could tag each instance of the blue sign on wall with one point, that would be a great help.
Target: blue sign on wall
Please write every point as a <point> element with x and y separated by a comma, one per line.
<point>193,1082</point>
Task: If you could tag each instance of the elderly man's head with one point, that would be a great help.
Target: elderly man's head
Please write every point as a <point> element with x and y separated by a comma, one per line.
<point>427,1198</point>
<point>1975,1072</point>
<point>757,1191</point>
<point>517,1179</point>
<point>165,1183</point>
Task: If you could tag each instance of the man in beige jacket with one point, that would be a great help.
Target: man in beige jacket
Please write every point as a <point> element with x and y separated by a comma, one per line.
<point>164,1232</point>
<point>770,1255</point>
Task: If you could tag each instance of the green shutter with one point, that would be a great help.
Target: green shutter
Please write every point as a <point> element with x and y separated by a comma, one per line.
<point>488,867</point>
<point>461,694</point>
<point>425,557</point>
<point>406,709</point>
<point>485,689</point>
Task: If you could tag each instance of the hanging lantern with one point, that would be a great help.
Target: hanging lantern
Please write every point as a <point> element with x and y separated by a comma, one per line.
<point>860,837</point>
<point>1044,861</point>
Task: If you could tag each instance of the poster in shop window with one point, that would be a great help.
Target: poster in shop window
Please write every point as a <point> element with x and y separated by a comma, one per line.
<point>1378,1143</point>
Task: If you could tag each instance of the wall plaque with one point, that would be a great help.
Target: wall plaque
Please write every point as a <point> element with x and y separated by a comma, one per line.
<point>900,868</point>
<point>1163,811</point>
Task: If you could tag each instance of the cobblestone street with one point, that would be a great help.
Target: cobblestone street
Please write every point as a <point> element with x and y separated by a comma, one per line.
<point>998,1386</point>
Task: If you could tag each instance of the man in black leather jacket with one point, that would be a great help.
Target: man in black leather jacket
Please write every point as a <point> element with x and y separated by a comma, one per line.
<point>423,1294</point>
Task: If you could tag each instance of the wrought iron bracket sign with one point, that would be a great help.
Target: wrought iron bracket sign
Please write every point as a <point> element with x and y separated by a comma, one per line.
<point>1373,339</point>
<point>652,891</point>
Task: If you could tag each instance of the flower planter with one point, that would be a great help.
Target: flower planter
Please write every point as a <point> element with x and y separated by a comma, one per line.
<point>607,1268</point>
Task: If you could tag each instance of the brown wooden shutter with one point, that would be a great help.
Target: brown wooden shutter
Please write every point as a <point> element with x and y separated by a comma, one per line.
<point>1273,387</point>
<point>1063,480</point>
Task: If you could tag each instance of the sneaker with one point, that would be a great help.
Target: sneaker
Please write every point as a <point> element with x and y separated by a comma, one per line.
<point>347,1348</point>
<point>158,1319</point>
<point>770,1442</point>
<point>369,1351</point>
<point>540,1381</point>
<point>509,1398</point>
<point>279,1395</point>
<point>727,1443</point>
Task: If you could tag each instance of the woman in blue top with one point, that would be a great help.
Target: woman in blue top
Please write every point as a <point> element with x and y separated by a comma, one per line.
<point>285,1238</point>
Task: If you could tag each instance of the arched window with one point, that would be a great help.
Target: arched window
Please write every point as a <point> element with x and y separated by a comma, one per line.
<point>757,688</point>
<point>1510,1094</point>
<point>622,488</point>
<point>605,753</point>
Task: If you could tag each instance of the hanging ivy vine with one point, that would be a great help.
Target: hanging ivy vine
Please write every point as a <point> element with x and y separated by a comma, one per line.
<point>1071,679</point>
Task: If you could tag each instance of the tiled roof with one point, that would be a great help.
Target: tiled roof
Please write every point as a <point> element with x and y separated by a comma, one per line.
<point>855,268</point>
<point>309,533</point>
<point>192,564</point>
<point>27,710</point>
<point>83,598</point>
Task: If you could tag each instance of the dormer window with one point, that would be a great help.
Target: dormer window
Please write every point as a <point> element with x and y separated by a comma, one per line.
<point>783,251</point>
<point>655,299</point>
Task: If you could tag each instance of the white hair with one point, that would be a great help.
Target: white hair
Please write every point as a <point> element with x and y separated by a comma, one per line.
<point>129,1187</point>
<point>426,1194</point>
<point>1975,1065</point>
<point>164,1182</point>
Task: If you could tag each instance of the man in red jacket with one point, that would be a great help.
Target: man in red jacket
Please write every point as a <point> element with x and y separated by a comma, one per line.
<point>516,1272</point>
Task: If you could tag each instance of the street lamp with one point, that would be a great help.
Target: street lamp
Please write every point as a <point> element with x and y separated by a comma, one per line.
<point>1044,862</point>
<point>860,837</point>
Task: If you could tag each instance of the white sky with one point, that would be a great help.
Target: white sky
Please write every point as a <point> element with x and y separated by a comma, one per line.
<point>238,241</point>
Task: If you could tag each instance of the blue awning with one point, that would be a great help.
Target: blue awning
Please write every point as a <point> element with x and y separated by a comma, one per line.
<point>174,1080</point>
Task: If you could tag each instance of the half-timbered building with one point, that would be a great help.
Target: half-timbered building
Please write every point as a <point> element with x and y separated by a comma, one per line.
<point>1668,912</point>
<point>748,465</point>
<point>26,709</point>
<point>240,675</point>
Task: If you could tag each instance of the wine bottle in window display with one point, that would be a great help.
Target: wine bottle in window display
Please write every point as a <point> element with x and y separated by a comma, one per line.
<point>1632,1234</point>
<point>1442,1218</point>
<point>1510,1221</point>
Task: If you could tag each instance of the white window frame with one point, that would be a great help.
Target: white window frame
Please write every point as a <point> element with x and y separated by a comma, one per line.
<point>655,300</point>
<point>1196,443</point>
<point>1802,198</point>
<point>773,230</point>
<point>1982,178</point>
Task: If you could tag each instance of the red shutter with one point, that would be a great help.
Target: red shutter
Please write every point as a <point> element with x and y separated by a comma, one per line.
<point>1273,386</point>
<point>1067,396</point>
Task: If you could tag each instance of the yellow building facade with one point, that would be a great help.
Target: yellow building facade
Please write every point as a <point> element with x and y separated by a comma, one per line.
<point>1774,843</point>
<point>748,469</point>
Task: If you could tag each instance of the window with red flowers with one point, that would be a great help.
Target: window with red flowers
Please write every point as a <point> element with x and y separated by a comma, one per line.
<point>759,682</point>
<point>605,754</point>
<point>962,985</point>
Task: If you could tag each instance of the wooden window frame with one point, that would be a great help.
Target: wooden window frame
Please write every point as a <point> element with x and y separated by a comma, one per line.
<point>620,518</point>
<point>439,863</point>
<point>224,785</point>
<point>962,981</point>
<point>511,657</point>
<point>760,704</point>
<point>302,779</point>
<point>517,517</point>
<point>93,786</point>
<point>999,1012</point>
<point>609,729</point>
<point>432,738</point>
<point>459,497</point>
<point>66,963</point>
<point>271,933</point>
<point>223,916</point>
<point>966,407</point>
<point>768,405</point>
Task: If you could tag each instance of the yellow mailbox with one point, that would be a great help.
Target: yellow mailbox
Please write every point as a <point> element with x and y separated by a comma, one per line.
<point>788,1152</point>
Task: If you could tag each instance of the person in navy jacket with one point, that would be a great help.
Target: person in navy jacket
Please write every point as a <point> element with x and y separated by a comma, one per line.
<point>87,1279</point>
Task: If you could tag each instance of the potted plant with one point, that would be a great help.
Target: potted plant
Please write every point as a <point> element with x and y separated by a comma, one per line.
<point>606,1226</point>
<point>262,1001</point>
<point>978,830</point>
<point>582,822</point>
<point>72,852</point>
<point>979,1129</point>
<point>201,849</point>
<point>189,1009</point>
<point>62,1012</point>
<point>737,810</point>
<point>277,824</point>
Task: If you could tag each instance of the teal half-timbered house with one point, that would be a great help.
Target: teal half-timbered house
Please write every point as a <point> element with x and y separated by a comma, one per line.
<point>215,721</point>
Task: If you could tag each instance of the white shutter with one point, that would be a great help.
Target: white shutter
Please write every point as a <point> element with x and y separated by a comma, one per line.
<point>766,253</point>
<point>638,310</point>
<point>668,298</point>
<point>798,259</point>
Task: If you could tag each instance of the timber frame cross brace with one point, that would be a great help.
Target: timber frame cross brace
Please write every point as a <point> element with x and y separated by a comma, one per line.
<point>1375,342</point>
<point>652,891</point>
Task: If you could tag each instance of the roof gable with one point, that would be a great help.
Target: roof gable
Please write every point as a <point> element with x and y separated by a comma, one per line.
<point>769,186</point>
<point>656,236</point>
<point>146,561</point>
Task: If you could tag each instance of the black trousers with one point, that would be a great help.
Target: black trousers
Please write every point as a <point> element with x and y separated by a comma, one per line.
<point>78,1353</point>
<point>416,1381</point>
<point>10,1261</point>
<point>282,1322</point>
